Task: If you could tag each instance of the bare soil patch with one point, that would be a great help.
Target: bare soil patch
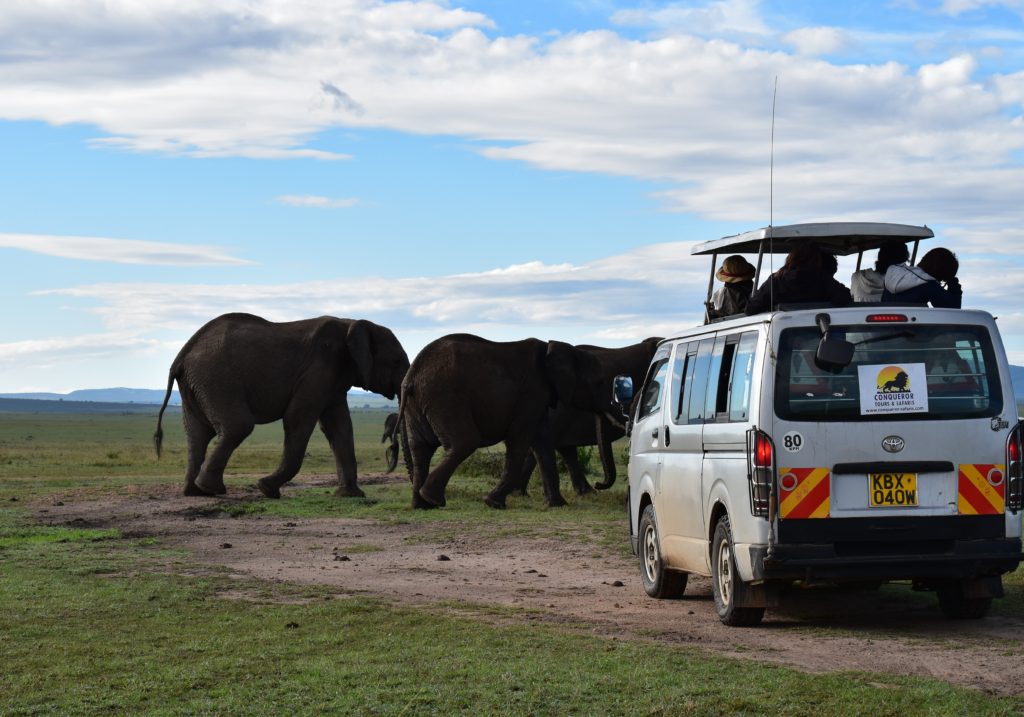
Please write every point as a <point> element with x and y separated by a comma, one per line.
<point>574,584</point>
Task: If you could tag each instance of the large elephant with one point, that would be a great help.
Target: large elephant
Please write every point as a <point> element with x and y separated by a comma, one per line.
<point>464,392</point>
<point>572,427</point>
<point>240,370</point>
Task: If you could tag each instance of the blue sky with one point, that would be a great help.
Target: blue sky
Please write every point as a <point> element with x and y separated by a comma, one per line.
<point>505,168</point>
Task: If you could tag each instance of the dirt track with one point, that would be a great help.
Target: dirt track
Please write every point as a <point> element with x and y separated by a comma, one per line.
<point>823,631</point>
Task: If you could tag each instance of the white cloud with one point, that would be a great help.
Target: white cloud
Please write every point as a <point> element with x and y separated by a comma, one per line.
<point>119,251</point>
<point>720,17</point>
<point>818,40</point>
<point>259,78</point>
<point>958,7</point>
<point>310,200</point>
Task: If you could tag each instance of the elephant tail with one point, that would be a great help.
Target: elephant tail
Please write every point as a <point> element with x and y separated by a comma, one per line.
<point>158,437</point>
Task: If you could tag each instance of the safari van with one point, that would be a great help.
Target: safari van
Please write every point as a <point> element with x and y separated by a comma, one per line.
<point>813,444</point>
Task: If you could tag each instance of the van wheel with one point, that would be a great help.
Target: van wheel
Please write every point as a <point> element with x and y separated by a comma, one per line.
<point>726,585</point>
<point>658,581</point>
<point>956,606</point>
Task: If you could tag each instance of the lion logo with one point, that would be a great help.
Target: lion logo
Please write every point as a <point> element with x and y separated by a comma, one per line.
<point>893,379</point>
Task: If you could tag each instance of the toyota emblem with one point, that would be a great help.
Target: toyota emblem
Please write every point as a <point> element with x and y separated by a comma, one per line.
<point>893,444</point>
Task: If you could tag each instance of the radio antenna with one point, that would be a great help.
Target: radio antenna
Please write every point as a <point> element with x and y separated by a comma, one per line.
<point>771,200</point>
<point>771,164</point>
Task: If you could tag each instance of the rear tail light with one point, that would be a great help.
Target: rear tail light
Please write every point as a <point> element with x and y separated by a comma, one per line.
<point>760,471</point>
<point>1015,468</point>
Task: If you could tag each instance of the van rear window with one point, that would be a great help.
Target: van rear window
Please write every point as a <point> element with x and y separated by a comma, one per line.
<point>955,364</point>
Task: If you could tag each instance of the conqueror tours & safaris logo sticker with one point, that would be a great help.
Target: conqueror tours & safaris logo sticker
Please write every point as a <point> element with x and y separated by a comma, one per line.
<point>893,388</point>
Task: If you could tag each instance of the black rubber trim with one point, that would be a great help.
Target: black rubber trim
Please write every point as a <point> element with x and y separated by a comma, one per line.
<point>893,528</point>
<point>865,467</point>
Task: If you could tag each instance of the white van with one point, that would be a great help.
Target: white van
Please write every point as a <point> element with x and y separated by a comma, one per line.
<point>869,443</point>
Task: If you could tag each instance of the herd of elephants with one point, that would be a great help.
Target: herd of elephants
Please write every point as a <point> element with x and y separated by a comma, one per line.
<point>461,393</point>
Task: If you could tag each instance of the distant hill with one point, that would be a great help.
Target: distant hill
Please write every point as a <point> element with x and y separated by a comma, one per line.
<point>102,395</point>
<point>132,400</point>
<point>36,405</point>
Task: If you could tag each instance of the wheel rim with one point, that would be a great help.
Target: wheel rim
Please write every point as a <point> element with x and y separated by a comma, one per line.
<point>725,572</point>
<point>651,554</point>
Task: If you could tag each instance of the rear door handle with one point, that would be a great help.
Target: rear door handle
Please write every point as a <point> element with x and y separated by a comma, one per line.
<point>668,436</point>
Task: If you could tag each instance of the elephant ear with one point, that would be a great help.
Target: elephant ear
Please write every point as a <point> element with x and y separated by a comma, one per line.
<point>360,349</point>
<point>560,364</point>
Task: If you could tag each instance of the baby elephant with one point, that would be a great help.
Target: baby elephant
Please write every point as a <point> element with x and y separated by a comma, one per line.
<point>240,370</point>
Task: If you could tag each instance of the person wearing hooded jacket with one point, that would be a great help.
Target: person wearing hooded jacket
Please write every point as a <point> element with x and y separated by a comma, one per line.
<point>869,284</point>
<point>921,283</point>
<point>804,278</point>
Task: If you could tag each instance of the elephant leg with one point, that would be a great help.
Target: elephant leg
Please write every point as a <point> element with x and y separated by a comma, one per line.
<point>420,454</point>
<point>529,464</point>
<point>604,446</point>
<point>511,476</point>
<point>198,434</point>
<point>432,490</point>
<point>545,454</point>
<point>576,472</point>
<point>211,476</point>
<point>336,423</point>
<point>297,431</point>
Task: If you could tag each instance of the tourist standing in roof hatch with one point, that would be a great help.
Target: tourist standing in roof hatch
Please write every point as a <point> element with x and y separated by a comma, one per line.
<point>804,278</point>
<point>924,282</point>
<point>869,284</point>
<point>737,277</point>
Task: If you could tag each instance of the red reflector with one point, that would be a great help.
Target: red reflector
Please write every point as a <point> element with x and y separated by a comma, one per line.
<point>886,318</point>
<point>763,452</point>
<point>1014,448</point>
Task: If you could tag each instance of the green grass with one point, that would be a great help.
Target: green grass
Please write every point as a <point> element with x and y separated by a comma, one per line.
<point>112,626</point>
<point>111,451</point>
<point>93,622</point>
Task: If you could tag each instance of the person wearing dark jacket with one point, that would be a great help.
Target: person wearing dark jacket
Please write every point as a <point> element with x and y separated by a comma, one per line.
<point>737,277</point>
<point>804,278</point>
<point>921,284</point>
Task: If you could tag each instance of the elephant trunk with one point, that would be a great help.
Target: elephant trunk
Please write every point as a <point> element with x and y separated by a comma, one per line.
<point>604,447</point>
<point>391,429</point>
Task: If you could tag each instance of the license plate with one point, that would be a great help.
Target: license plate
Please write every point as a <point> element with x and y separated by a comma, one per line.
<point>886,490</point>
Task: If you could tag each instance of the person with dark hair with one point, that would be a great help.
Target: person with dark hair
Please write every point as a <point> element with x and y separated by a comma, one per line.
<point>924,283</point>
<point>808,276</point>
<point>737,277</point>
<point>869,284</point>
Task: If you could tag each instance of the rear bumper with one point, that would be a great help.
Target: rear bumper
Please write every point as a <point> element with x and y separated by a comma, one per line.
<point>933,548</point>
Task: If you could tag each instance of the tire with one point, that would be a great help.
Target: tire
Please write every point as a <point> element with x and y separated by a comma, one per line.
<point>658,581</point>
<point>956,606</point>
<point>726,585</point>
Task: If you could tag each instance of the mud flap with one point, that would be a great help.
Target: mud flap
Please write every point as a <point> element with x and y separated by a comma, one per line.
<point>760,595</point>
<point>987,587</point>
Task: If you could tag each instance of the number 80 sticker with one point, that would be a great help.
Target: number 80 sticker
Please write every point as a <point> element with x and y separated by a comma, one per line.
<point>793,441</point>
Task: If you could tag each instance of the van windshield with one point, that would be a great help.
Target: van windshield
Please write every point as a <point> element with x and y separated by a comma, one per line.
<point>898,372</point>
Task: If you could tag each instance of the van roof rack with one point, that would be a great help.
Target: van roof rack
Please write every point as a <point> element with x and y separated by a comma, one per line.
<point>839,238</point>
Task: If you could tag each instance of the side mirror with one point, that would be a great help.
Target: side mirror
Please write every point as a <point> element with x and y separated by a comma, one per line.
<point>833,354</point>
<point>622,391</point>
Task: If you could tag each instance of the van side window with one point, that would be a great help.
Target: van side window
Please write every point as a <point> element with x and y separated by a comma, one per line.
<point>699,385</point>
<point>650,400</point>
<point>742,376</point>
<point>679,367</point>
<point>714,402</point>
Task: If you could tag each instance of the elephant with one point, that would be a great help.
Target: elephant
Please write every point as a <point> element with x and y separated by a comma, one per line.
<point>240,370</point>
<point>571,427</point>
<point>390,437</point>
<point>464,392</point>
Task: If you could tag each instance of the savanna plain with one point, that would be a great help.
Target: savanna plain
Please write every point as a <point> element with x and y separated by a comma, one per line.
<point>118,595</point>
